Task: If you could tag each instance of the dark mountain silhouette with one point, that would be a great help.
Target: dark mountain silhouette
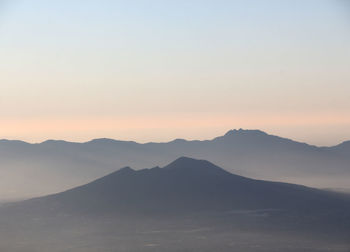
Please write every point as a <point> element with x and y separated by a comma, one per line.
<point>186,185</point>
<point>60,165</point>
<point>188,205</point>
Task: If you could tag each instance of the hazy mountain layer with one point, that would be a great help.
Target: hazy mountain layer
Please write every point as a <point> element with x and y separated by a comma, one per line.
<point>187,185</point>
<point>188,205</point>
<point>53,166</point>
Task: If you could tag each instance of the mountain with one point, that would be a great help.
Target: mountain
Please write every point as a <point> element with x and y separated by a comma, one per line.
<point>186,185</point>
<point>60,165</point>
<point>188,205</point>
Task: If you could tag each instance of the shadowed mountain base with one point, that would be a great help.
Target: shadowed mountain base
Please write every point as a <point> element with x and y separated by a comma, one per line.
<point>189,205</point>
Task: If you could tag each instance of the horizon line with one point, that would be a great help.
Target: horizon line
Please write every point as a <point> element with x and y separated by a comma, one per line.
<point>169,141</point>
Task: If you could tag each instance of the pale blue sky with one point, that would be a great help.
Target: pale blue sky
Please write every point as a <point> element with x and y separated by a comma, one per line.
<point>157,70</point>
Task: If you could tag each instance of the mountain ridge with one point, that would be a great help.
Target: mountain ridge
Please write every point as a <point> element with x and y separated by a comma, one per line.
<point>246,132</point>
<point>61,165</point>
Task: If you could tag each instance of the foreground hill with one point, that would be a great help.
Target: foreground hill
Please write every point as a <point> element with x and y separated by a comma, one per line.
<point>188,205</point>
<point>60,165</point>
<point>187,185</point>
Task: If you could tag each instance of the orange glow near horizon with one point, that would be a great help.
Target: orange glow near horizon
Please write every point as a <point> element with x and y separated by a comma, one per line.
<point>193,71</point>
<point>147,129</point>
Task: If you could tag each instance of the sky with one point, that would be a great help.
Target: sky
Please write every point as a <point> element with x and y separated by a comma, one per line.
<point>160,70</point>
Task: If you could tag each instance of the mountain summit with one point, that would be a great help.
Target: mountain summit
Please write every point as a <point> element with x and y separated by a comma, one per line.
<point>184,186</point>
<point>186,199</point>
<point>245,132</point>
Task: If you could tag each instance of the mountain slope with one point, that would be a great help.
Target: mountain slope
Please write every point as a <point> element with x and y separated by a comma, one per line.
<point>188,205</point>
<point>186,185</point>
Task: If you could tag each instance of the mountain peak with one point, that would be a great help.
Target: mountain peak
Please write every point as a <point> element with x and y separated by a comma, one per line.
<point>179,140</point>
<point>7,141</point>
<point>103,140</point>
<point>188,164</point>
<point>241,131</point>
<point>344,145</point>
<point>109,142</point>
<point>185,161</point>
<point>52,141</point>
<point>125,169</point>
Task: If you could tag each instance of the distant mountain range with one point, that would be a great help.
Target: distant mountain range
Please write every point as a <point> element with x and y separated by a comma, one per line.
<point>37,169</point>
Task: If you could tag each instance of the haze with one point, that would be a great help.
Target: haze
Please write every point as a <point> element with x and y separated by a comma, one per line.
<point>154,71</point>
